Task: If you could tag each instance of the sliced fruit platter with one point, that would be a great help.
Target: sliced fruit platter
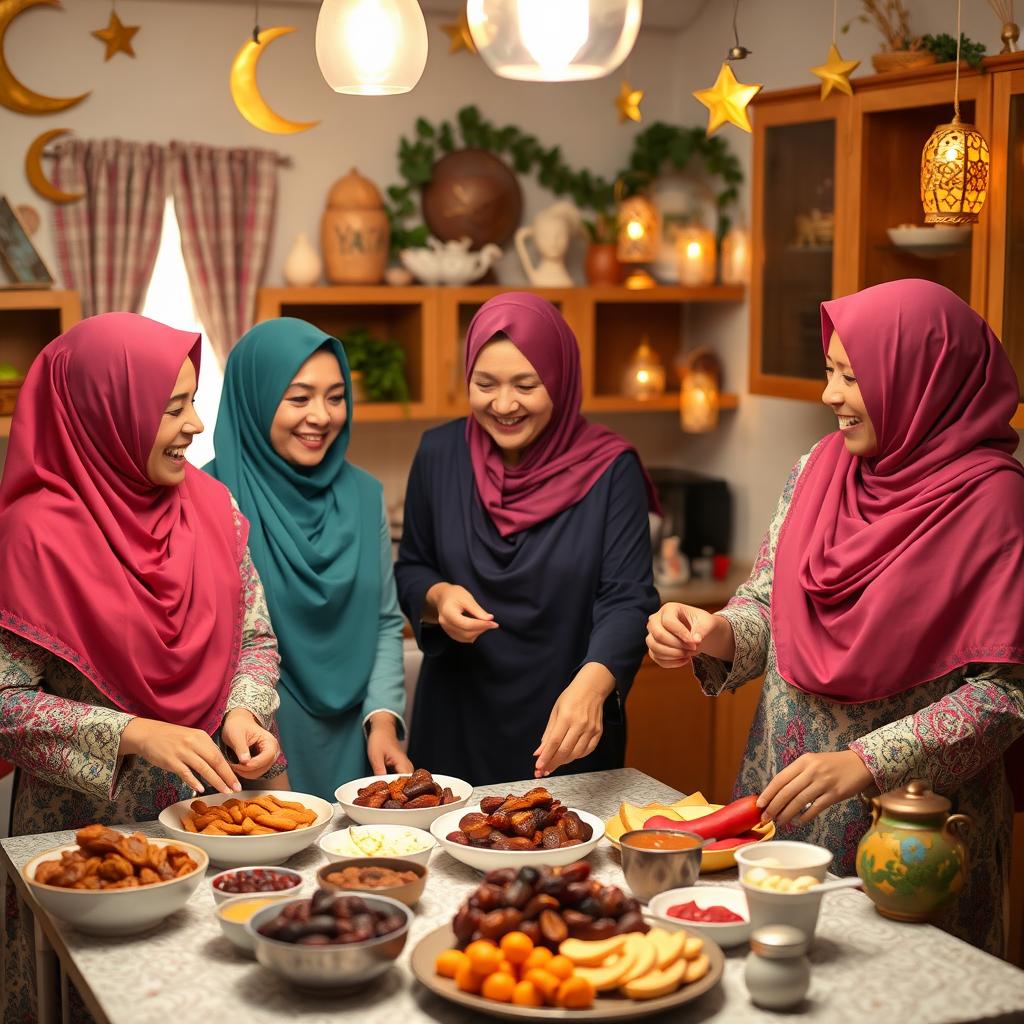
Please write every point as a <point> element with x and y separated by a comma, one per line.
<point>732,826</point>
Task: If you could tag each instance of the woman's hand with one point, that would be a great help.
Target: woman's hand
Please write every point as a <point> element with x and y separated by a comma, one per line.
<point>576,721</point>
<point>255,747</point>
<point>383,749</point>
<point>803,789</point>
<point>188,753</point>
<point>676,633</point>
<point>458,614</point>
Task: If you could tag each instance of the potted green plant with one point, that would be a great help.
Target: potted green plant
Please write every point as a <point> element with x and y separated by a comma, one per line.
<point>903,50</point>
<point>601,263</point>
<point>377,365</point>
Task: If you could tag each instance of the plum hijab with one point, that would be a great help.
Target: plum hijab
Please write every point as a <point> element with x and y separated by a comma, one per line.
<point>897,569</point>
<point>571,454</point>
<point>135,585</point>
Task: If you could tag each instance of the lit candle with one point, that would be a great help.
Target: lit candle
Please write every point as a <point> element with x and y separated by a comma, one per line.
<point>695,251</point>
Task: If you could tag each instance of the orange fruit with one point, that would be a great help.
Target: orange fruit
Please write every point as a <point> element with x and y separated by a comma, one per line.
<point>499,987</point>
<point>560,966</point>
<point>516,946</point>
<point>449,962</point>
<point>467,980</point>
<point>575,993</point>
<point>538,958</point>
<point>525,994</point>
<point>506,968</point>
<point>545,983</point>
<point>484,956</point>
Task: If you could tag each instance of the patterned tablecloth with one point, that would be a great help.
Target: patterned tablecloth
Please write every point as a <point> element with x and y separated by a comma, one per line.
<point>864,967</point>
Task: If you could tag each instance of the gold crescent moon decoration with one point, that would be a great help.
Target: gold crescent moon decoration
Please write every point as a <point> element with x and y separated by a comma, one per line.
<point>246,93</point>
<point>34,169</point>
<point>13,94</point>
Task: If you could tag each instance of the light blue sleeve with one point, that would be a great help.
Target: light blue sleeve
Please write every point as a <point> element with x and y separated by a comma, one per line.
<point>386,689</point>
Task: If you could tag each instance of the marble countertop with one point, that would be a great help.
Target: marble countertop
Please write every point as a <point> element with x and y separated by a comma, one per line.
<point>864,966</point>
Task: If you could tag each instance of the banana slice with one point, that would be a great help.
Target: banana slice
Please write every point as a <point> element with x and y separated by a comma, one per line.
<point>610,974</point>
<point>591,954</point>
<point>656,983</point>
<point>645,957</point>
<point>669,945</point>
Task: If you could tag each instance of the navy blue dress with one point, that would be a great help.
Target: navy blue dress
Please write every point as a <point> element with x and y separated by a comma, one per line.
<point>574,589</point>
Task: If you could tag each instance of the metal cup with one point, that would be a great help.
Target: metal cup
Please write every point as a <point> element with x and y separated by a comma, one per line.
<point>649,872</point>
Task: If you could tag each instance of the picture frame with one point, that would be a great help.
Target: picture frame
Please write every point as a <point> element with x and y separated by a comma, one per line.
<point>18,255</point>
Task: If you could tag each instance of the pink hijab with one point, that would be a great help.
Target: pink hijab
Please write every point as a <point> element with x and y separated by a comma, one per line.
<point>136,586</point>
<point>897,569</point>
<point>571,454</point>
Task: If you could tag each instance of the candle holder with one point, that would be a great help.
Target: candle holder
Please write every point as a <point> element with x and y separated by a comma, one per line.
<point>645,376</point>
<point>699,393</point>
<point>637,239</point>
<point>696,256</point>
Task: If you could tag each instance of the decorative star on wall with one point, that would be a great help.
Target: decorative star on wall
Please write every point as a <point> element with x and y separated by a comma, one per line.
<point>459,35</point>
<point>627,103</point>
<point>835,73</point>
<point>117,36</point>
<point>727,100</point>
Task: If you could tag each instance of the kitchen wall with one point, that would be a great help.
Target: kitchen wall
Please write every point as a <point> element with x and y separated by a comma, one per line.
<point>176,88</point>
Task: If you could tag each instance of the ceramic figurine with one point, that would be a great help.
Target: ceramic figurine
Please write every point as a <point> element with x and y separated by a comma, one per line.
<point>551,232</point>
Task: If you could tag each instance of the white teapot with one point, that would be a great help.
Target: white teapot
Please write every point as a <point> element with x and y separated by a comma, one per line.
<point>449,262</point>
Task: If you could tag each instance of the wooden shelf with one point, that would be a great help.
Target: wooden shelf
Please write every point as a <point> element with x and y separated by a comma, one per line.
<point>5,426</point>
<point>1018,420</point>
<point>665,403</point>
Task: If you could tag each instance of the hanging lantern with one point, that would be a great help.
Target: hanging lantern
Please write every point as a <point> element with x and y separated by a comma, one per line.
<point>637,238</point>
<point>736,256</point>
<point>371,47</point>
<point>699,392</point>
<point>561,41</point>
<point>954,174</point>
<point>645,376</point>
<point>695,256</point>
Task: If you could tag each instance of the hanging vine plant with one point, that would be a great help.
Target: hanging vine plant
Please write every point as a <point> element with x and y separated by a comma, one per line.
<point>653,148</point>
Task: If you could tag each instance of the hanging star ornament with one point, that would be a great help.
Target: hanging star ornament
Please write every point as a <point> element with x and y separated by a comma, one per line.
<point>627,103</point>
<point>727,100</point>
<point>117,36</point>
<point>460,38</point>
<point>835,72</point>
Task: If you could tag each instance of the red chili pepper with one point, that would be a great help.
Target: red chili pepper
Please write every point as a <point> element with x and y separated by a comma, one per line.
<point>732,820</point>
<point>732,844</point>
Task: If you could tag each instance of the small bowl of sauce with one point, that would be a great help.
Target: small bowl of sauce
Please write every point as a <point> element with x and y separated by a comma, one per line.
<point>654,860</point>
<point>233,915</point>
<point>717,912</point>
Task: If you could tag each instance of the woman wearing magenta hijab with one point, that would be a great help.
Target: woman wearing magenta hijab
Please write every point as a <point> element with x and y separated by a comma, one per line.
<point>525,563</point>
<point>886,607</point>
<point>133,628</point>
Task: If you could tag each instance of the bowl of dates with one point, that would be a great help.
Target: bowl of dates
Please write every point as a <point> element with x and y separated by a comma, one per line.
<point>532,829</point>
<point>402,880</point>
<point>254,881</point>
<point>414,800</point>
<point>330,942</point>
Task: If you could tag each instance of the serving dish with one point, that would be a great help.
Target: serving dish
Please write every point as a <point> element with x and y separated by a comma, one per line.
<point>407,893</point>
<point>335,844</point>
<point>930,241</point>
<point>484,859</point>
<point>117,911</point>
<point>239,851</point>
<point>223,895</point>
<point>725,934</point>
<point>419,817</point>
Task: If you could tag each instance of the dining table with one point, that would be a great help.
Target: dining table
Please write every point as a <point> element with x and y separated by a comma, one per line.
<point>863,966</point>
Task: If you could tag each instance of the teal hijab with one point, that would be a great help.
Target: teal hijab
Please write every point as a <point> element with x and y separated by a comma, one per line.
<point>314,533</point>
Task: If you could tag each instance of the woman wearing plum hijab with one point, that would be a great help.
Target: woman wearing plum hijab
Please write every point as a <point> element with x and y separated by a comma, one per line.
<point>886,607</point>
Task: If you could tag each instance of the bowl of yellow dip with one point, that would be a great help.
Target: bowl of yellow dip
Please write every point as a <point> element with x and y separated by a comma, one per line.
<point>233,915</point>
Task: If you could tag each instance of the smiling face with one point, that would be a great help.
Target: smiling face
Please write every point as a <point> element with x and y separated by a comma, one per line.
<point>842,395</point>
<point>311,412</point>
<point>508,399</point>
<point>178,425</point>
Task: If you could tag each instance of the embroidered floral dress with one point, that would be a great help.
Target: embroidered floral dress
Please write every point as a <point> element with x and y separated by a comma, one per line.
<point>952,731</point>
<point>62,735</point>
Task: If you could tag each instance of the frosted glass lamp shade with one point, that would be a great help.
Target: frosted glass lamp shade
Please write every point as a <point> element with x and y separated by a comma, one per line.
<point>371,47</point>
<point>554,40</point>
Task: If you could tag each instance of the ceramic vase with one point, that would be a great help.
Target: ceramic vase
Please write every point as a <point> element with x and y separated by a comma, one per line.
<point>302,267</point>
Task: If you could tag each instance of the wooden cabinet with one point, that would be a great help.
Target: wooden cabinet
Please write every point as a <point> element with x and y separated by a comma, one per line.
<point>431,324</point>
<point>29,321</point>
<point>858,158</point>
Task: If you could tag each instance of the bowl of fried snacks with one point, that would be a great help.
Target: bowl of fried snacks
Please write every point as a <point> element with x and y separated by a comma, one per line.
<point>112,883</point>
<point>414,800</point>
<point>257,827</point>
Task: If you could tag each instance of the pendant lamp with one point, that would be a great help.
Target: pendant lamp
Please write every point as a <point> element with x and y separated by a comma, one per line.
<point>371,47</point>
<point>554,40</point>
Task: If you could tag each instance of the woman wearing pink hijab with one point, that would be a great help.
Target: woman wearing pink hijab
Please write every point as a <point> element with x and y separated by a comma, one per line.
<point>886,607</point>
<point>133,628</point>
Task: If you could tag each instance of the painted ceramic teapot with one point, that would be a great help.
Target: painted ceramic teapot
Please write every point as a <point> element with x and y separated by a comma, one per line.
<point>449,262</point>
<point>913,858</point>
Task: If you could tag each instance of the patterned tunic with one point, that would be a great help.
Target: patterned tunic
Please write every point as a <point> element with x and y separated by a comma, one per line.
<point>63,735</point>
<point>952,731</point>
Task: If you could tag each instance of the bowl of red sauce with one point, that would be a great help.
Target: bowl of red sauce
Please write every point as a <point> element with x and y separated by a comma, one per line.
<point>715,912</point>
<point>259,880</point>
<point>655,860</point>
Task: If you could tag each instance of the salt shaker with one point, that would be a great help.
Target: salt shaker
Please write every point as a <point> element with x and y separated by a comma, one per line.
<point>777,972</point>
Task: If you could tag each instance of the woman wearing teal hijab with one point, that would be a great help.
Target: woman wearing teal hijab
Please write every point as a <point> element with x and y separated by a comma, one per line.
<point>320,540</point>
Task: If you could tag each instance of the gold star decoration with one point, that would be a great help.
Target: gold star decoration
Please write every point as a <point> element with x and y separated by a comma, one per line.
<point>117,36</point>
<point>459,35</point>
<point>835,73</point>
<point>627,103</point>
<point>727,100</point>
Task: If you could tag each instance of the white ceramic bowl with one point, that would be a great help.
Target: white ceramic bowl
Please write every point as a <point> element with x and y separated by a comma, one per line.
<point>220,896</point>
<point>785,857</point>
<point>930,241</point>
<point>485,860</point>
<point>420,817</point>
<point>238,931</point>
<point>117,911</point>
<point>799,909</point>
<point>238,851</point>
<point>727,934</point>
<point>332,843</point>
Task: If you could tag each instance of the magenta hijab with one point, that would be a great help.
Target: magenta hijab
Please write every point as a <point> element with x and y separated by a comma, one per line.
<point>136,586</point>
<point>571,454</point>
<point>897,569</point>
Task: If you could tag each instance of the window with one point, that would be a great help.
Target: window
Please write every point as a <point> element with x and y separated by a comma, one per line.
<point>169,300</point>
